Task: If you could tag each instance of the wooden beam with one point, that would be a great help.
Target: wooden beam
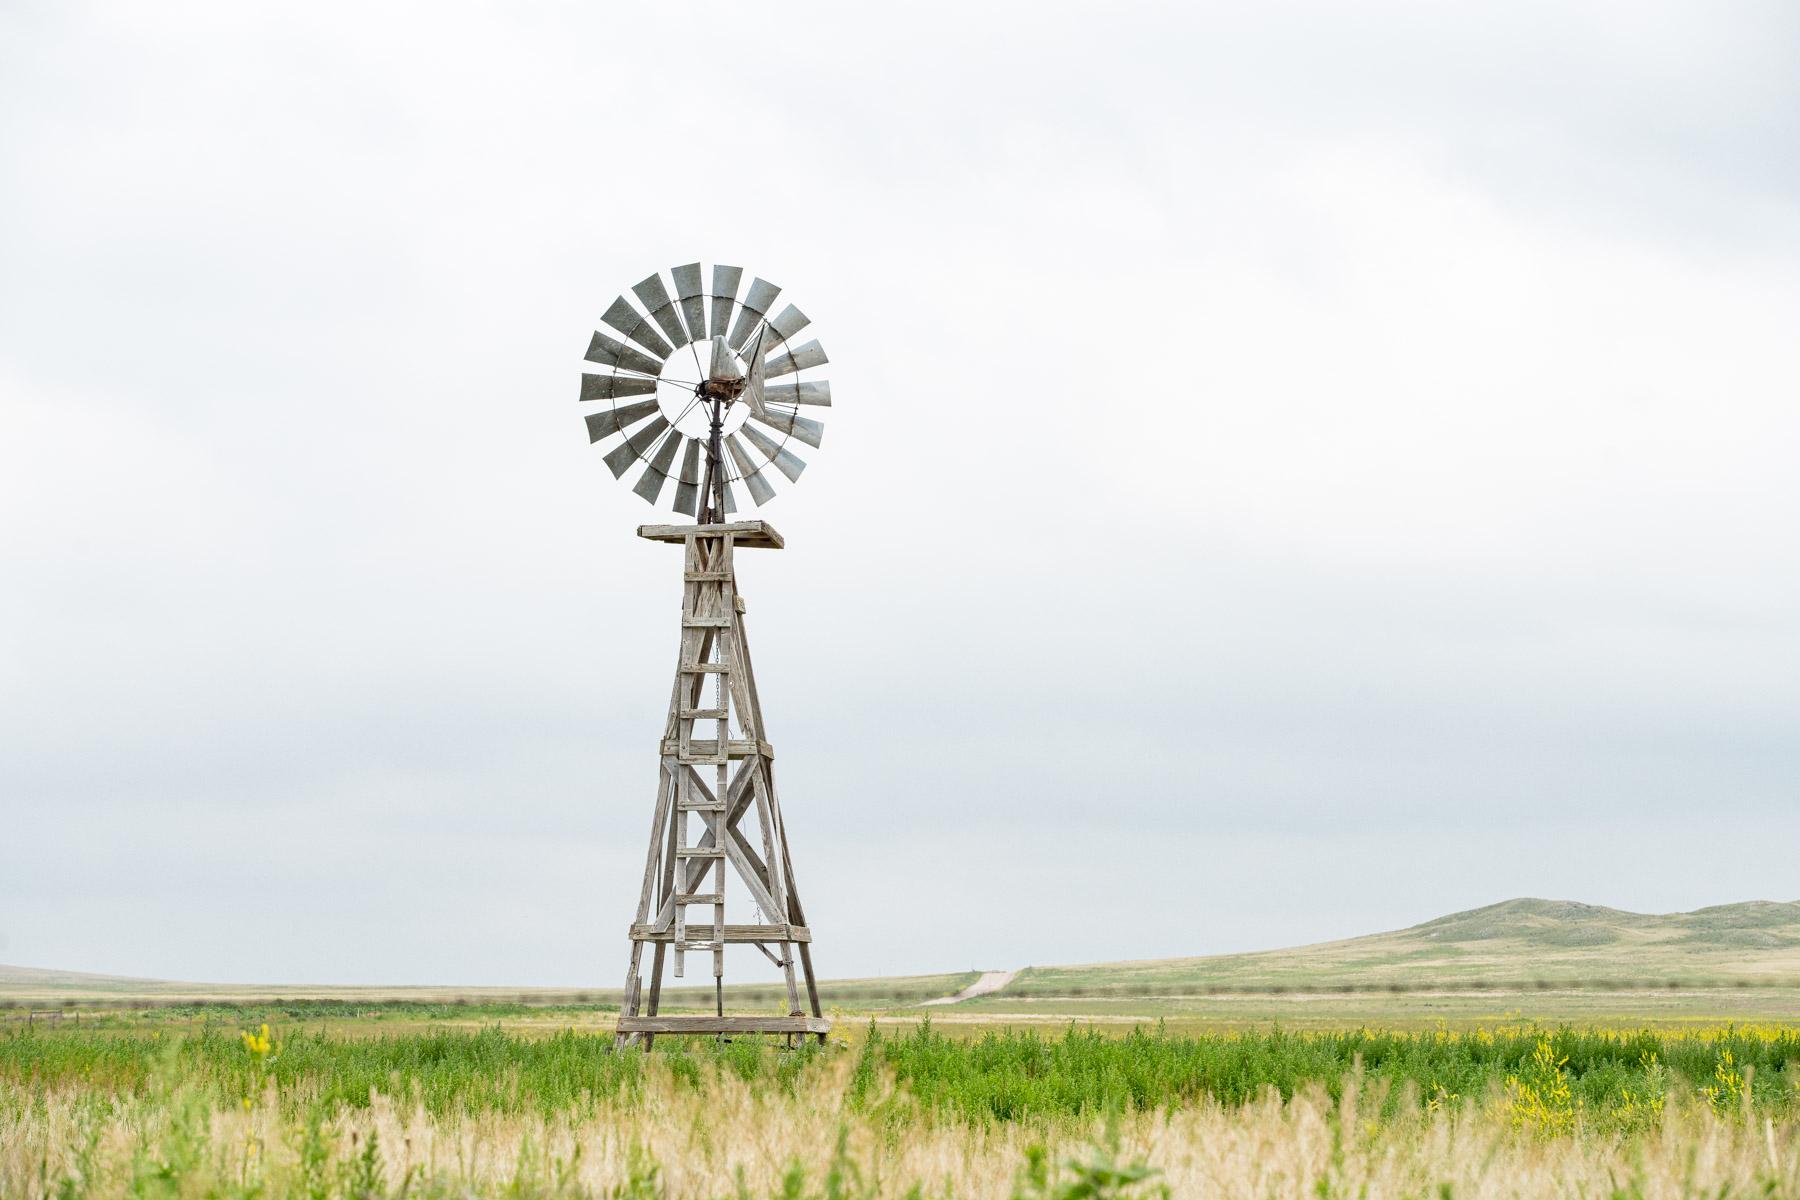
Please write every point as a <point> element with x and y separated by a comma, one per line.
<point>706,1023</point>
<point>731,933</point>
<point>706,750</point>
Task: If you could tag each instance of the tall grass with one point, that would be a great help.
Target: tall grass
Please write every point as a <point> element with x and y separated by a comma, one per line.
<point>1000,1076</point>
<point>1008,1075</point>
<point>1370,1113</point>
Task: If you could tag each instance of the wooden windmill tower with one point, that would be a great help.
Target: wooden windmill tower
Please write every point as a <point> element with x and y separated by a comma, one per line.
<point>717,815</point>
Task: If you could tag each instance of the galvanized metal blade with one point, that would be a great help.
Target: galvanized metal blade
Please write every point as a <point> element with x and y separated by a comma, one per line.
<point>790,322</point>
<point>662,309</point>
<point>692,294</point>
<point>760,490</point>
<point>785,460</point>
<point>756,306</point>
<point>687,491</point>
<point>614,387</point>
<point>605,424</point>
<point>753,381</point>
<point>794,425</point>
<point>634,325</point>
<point>607,352</point>
<point>724,295</point>
<point>786,362</point>
<point>730,500</point>
<point>650,483</point>
<point>812,391</point>
<point>635,446</point>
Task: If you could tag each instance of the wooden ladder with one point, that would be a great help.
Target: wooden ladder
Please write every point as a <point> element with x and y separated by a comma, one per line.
<point>708,610</point>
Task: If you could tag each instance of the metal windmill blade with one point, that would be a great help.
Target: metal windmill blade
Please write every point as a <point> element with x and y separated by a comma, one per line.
<point>634,325</point>
<point>794,425</point>
<point>785,460</point>
<point>810,391</point>
<point>755,308</point>
<point>725,281</point>
<point>604,424</point>
<point>655,298</point>
<point>614,387</point>
<point>657,415</point>
<point>692,298</point>
<point>790,321</point>
<point>650,484</point>
<point>786,362</point>
<point>687,491</point>
<point>760,491</point>
<point>635,446</point>
<point>611,353</point>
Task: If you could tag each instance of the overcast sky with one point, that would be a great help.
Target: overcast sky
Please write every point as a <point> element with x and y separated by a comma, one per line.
<point>1296,470</point>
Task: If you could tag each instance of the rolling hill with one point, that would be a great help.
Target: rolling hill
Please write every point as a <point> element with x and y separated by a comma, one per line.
<point>1517,947</point>
<point>1515,942</point>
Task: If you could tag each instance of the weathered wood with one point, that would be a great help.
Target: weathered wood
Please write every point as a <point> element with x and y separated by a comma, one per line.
<point>706,750</point>
<point>711,1024</point>
<point>757,535</point>
<point>740,787</point>
<point>730,933</point>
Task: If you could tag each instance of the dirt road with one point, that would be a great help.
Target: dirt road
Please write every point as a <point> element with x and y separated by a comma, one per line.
<point>989,983</point>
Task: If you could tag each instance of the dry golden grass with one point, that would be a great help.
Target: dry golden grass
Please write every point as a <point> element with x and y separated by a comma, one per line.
<point>733,1138</point>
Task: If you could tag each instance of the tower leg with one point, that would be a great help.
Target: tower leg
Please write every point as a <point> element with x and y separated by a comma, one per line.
<point>656,973</point>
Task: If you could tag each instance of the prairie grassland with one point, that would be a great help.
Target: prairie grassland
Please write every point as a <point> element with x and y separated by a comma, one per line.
<point>1520,1112</point>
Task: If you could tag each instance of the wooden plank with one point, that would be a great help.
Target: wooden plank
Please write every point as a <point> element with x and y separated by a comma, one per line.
<point>756,534</point>
<point>744,860</point>
<point>706,750</point>
<point>705,622</point>
<point>706,1023</point>
<point>730,933</point>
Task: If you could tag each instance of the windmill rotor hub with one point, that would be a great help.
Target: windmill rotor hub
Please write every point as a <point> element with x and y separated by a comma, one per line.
<point>723,390</point>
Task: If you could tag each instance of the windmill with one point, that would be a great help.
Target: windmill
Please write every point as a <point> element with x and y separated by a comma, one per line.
<point>715,380</point>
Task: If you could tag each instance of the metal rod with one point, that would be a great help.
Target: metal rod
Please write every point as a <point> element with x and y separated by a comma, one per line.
<point>715,453</point>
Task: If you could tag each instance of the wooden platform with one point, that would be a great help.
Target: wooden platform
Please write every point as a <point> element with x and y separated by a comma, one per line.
<point>707,1023</point>
<point>753,534</point>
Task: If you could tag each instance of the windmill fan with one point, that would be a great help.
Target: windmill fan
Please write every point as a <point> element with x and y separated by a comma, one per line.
<point>704,388</point>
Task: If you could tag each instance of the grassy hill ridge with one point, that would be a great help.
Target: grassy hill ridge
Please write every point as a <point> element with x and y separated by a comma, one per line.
<point>1514,941</point>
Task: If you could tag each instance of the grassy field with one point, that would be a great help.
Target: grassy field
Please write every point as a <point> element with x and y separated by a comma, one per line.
<point>143,1107</point>
<point>1527,1049</point>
